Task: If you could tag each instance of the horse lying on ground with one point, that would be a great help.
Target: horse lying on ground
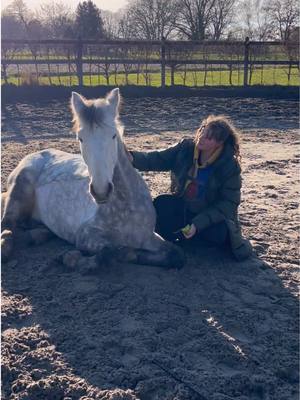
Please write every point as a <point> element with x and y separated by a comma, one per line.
<point>95,200</point>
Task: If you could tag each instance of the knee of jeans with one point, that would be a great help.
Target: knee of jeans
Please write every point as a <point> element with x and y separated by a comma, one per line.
<point>157,203</point>
<point>217,233</point>
<point>162,200</point>
<point>156,200</point>
<point>223,234</point>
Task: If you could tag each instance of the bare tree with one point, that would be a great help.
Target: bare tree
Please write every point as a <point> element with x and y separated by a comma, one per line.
<point>221,17</point>
<point>111,21</point>
<point>19,10</point>
<point>125,28</point>
<point>252,20</point>
<point>263,30</point>
<point>194,18</point>
<point>150,19</point>
<point>30,22</point>
<point>57,18</point>
<point>284,16</point>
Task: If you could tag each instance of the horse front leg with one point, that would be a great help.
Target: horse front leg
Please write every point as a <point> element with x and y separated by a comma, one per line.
<point>75,260</point>
<point>85,264</point>
<point>92,251</point>
<point>100,251</point>
<point>160,252</point>
<point>157,253</point>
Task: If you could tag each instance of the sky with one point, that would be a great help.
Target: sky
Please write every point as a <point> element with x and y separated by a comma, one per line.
<point>112,5</point>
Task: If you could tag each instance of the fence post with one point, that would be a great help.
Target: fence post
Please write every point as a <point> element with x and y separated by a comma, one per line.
<point>172,74</point>
<point>79,62</point>
<point>163,62</point>
<point>4,74</point>
<point>246,60</point>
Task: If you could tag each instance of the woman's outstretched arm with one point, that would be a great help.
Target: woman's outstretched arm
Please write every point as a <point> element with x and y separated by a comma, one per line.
<point>160,160</point>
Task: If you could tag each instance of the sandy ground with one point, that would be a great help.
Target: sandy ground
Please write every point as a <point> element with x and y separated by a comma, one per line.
<point>215,330</point>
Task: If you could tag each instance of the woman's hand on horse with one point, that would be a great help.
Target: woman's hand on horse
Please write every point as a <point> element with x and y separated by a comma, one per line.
<point>129,155</point>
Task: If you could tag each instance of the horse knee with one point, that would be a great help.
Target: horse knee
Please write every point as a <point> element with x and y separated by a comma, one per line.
<point>73,260</point>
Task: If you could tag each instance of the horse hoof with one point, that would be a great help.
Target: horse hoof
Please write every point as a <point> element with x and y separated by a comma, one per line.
<point>6,245</point>
<point>177,258</point>
<point>88,265</point>
<point>71,258</point>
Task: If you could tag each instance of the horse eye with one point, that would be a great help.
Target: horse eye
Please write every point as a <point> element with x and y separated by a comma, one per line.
<point>115,135</point>
<point>80,140</point>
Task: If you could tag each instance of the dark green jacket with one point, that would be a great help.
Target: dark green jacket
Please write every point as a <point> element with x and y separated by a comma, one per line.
<point>223,193</point>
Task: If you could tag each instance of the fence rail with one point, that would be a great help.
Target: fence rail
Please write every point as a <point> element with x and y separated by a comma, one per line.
<point>165,62</point>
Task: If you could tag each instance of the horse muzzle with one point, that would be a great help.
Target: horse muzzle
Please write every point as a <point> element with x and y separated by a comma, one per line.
<point>102,198</point>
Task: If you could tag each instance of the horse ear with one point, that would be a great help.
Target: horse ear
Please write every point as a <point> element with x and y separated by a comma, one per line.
<point>77,103</point>
<point>113,99</point>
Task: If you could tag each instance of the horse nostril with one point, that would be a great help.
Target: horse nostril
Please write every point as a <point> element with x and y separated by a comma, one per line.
<point>110,189</point>
<point>101,198</point>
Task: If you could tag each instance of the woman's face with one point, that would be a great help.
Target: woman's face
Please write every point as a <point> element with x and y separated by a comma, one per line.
<point>206,141</point>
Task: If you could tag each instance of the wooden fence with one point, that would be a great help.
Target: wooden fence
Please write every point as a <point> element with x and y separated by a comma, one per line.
<point>84,62</point>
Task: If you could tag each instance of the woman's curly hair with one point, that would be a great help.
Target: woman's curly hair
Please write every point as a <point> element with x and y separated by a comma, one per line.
<point>222,130</point>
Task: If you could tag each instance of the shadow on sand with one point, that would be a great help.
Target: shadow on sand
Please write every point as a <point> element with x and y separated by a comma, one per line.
<point>217,329</point>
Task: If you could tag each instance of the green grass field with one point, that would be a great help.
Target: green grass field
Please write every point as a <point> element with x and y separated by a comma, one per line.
<point>266,76</point>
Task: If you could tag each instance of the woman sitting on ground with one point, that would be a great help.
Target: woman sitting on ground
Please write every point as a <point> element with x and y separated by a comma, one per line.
<point>205,186</point>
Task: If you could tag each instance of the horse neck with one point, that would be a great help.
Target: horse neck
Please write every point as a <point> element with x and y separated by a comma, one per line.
<point>125,175</point>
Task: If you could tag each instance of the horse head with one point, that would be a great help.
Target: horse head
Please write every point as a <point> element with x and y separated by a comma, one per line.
<point>98,130</point>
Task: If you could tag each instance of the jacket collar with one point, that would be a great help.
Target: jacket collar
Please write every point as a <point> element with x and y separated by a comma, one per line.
<point>221,156</point>
<point>226,156</point>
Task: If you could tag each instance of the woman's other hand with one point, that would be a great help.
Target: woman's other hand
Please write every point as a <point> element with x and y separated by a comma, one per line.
<point>189,231</point>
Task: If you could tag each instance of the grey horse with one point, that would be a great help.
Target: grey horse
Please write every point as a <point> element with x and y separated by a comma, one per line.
<point>95,200</point>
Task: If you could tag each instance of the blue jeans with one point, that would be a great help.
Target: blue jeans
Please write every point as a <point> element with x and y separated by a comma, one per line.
<point>173,216</point>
